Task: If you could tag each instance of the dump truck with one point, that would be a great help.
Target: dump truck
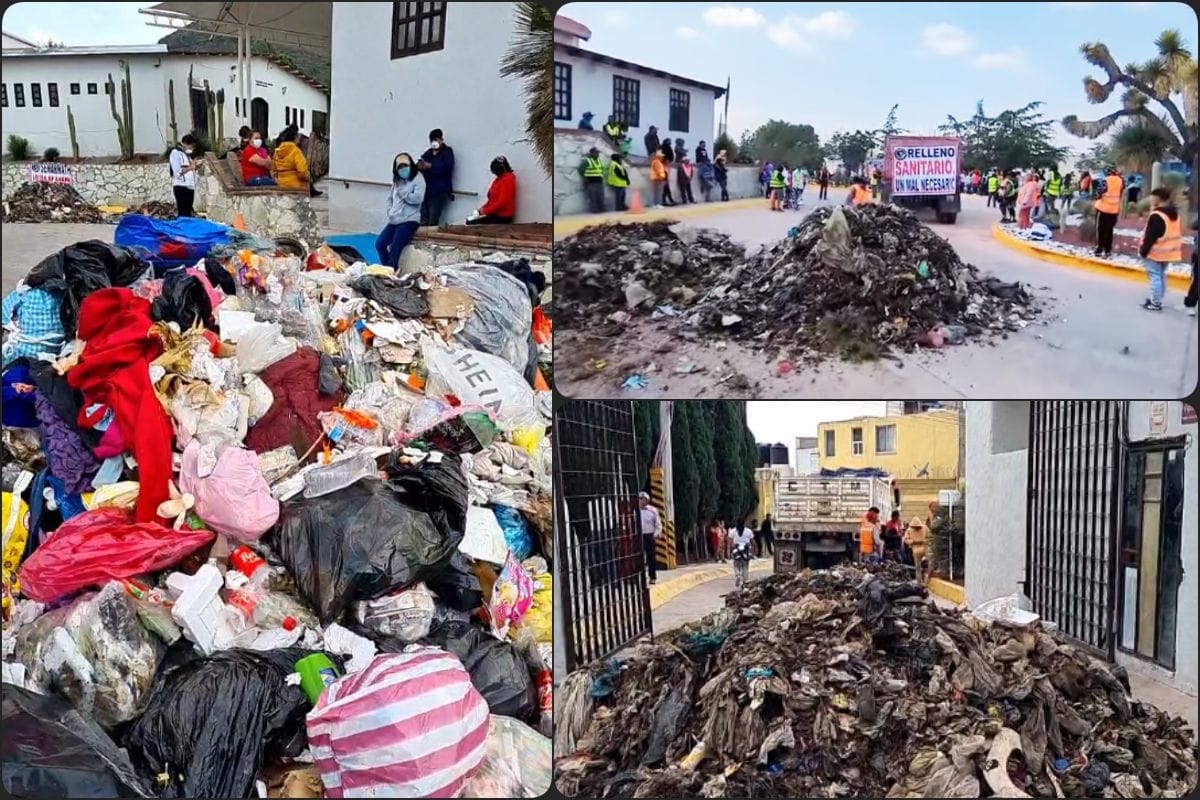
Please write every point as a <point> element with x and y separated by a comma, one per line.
<point>922,172</point>
<point>816,517</point>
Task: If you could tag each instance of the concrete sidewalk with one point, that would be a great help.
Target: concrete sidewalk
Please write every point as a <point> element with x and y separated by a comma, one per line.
<point>672,583</point>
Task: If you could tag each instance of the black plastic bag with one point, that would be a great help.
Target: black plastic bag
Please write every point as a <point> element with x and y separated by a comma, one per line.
<point>218,276</point>
<point>210,721</point>
<point>456,585</point>
<point>184,301</point>
<point>498,670</point>
<point>82,268</point>
<point>390,292</point>
<point>439,488</point>
<point>51,750</point>
<point>535,282</point>
<point>347,254</point>
<point>363,541</point>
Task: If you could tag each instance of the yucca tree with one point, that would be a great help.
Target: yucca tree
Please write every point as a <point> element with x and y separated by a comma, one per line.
<point>530,57</point>
<point>1136,146</point>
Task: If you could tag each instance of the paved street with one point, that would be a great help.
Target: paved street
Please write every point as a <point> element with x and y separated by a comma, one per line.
<point>26,244</point>
<point>1092,342</point>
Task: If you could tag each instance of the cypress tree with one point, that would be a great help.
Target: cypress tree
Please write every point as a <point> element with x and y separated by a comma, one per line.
<point>705,459</point>
<point>727,452</point>
<point>685,480</point>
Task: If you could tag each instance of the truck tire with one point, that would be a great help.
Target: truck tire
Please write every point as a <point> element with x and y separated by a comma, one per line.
<point>947,217</point>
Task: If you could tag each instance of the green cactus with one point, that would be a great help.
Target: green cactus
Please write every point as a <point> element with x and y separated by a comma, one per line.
<point>210,103</point>
<point>171,110</point>
<point>124,120</point>
<point>71,129</point>
<point>220,115</point>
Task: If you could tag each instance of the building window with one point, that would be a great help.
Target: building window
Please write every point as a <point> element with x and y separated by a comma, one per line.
<point>885,439</point>
<point>856,442</point>
<point>287,115</point>
<point>320,123</point>
<point>19,94</point>
<point>830,439</point>
<point>627,101</point>
<point>680,112</point>
<point>562,91</point>
<point>93,89</point>
<point>52,94</point>
<point>75,88</point>
<point>417,28</point>
<point>302,118</point>
<point>3,95</point>
<point>35,95</point>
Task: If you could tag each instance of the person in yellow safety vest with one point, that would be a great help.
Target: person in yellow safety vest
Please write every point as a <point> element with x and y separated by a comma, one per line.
<point>777,185</point>
<point>860,195</point>
<point>618,181</point>
<point>1162,244</point>
<point>993,185</point>
<point>1052,191</point>
<point>1108,208</point>
<point>612,129</point>
<point>917,539</point>
<point>591,169</point>
<point>1007,196</point>
<point>869,541</point>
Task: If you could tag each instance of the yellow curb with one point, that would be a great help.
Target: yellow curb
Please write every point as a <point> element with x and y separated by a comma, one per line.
<point>946,590</point>
<point>663,593</point>
<point>568,226</point>
<point>1096,266</point>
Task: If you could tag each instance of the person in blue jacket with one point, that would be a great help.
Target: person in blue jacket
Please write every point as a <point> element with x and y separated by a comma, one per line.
<point>437,167</point>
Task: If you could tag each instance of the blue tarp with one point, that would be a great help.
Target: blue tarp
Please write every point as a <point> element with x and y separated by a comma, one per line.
<point>361,243</point>
<point>849,472</point>
<point>171,243</point>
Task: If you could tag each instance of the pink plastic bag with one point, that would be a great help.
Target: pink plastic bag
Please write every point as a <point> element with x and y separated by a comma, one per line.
<point>102,545</point>
<point>512,596</point>
<point>409,725</point>
<point>234,498</point>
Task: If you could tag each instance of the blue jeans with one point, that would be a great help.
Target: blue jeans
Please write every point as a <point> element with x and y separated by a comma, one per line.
<point>264,180</point>
<point>1157,272</point>
<point>393,240</point>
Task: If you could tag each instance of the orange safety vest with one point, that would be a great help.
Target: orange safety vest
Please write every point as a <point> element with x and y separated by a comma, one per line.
<point>860,195</point>
<point>866,535</point>
<point>1110,203</point>
<point>1169,247</point>
<point>658,170</point>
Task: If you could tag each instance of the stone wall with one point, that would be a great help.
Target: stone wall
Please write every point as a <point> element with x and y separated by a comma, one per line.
<point>267,211</point>
<point>106,184</point>
<point>570,147</point>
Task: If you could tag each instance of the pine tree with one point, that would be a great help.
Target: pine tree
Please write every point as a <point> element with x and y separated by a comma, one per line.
<point>728,428</point>
<point>645,430</point>
<point>706,464</point>
<point>685,480</point>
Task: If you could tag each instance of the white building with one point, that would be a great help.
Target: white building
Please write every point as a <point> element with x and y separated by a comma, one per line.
<point>808,456</point>
<point>39,84</point>
<point>1089,508</point>
<point>402,69</point>
<point>641,96</point>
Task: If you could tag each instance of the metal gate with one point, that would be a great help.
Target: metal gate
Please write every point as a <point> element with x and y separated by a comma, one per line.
<point>604,591</point>
<point>1072,516</point>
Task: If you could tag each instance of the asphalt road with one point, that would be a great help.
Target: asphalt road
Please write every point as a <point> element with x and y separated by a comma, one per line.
<point>1092,342</point>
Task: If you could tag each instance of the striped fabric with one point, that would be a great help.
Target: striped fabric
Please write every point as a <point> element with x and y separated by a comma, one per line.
<point>409,725</point>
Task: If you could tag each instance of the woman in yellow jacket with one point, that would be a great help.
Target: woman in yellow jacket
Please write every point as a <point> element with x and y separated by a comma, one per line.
<point>917,538</point>
<point>289,164</point>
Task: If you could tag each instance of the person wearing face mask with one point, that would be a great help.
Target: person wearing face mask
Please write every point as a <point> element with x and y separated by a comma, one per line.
<point>501,205</point>
<point>183,176</point>
<point>256,162</point>
<point>437,166</point>
<point>405,201</point>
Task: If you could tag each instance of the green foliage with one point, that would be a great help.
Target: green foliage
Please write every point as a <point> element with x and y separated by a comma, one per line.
<point>749,464</point>
<point>171,110</point>
<point>725,142</point>
<point>1136,146</point>
<point>1013,139</point>
<point>789,143</point>
<point>50,154</point>
<point>1096,158</point>
<point>530,57</point>
<point>124,119</point>
<point>706,464</point>
<point>18,147</point>
<point>71,130</point>
<point>685,480</point>
<point>727,448</point>
<point>852,149</point>
<point>645,431</point>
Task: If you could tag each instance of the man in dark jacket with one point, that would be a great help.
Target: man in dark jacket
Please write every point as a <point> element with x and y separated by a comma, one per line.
<point>680,151</point>
<point>651,141</point>
<point>437,167</point>
<point>701,153</point>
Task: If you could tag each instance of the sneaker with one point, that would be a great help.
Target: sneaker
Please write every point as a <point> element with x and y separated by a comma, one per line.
<point>1191,310</point>
<point>1150,305</point>
<point>653,581</point>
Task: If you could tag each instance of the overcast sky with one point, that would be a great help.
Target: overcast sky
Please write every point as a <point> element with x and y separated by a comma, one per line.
<point>842,65</point>
<point>783,420</point>
<point>81,23</point>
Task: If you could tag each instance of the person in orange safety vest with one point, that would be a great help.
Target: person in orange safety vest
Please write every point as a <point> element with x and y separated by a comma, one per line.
<point>1108,208</point>
<point>860,195</point>
<point>1162,244</point>
<point>868,533</point>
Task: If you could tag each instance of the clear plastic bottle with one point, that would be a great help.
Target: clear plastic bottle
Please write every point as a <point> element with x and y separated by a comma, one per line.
<point>330,478</point>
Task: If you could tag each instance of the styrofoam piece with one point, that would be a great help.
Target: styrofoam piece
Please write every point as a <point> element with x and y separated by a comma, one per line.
<point>199,608</point>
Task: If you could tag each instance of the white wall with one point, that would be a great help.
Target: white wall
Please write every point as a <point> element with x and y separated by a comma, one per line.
<point>95,128</point>
<point>382,107</point>
<point>592,90</point>
<point>996,499</point>
<point>807,461</point>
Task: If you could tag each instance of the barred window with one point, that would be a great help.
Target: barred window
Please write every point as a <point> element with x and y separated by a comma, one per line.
<point>418,28</point>
<point>680,111</point>
<point>627,97</point>
<point>562,91</point>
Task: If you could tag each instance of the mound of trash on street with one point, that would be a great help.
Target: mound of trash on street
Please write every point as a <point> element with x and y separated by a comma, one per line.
<point>859,284</point>
<point>49,202</point>
<point>853,683</point>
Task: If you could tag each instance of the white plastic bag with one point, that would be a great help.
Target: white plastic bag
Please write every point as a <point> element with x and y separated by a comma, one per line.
<point>405,615</point>
<point>477,378</point>
<point>483,538</point>
<point>262,345</point>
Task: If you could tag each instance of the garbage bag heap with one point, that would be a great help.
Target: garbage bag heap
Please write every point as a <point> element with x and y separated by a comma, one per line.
<point>251,500</point>
<point>853,283</point>
<point>49,202</point>
<point>853,683</point>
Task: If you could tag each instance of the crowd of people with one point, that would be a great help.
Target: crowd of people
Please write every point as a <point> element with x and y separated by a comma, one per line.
<point>895,540</point>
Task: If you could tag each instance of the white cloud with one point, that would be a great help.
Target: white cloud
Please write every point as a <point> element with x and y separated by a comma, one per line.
<point>1012,59</point>
<point>733,17</point>
<point>945,39</point>
<point>684,32</point>
<point>800,33</point>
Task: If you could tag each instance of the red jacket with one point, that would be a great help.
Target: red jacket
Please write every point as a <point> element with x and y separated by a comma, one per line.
<point>251,171</point>
<point>502,196</point>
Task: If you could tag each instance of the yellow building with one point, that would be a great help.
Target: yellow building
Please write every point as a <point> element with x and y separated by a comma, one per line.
<point>918,451</point>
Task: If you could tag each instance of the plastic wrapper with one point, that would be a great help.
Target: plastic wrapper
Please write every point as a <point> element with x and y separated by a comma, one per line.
<point>516,531</point>
<point>483,539</point>
<point>184,301</point>
<point>498,670</point>
<point>457,587</point>
<point>231,494</point>
<point>261,346</point>
<point>518,762</point>
<point>101,545</point>
<point>346,428</point>
<point>539,619</point>
<point>462,429</point>
<point>392,293</point>
<point>369,539</point>
<point>409,725</point>
<point>258,396</point>
<point>362,365</point>
<point>210,720</point>
<point>477,378</point>
<point>405,615</point>
<point>95,653</point>
<point>324,258</point>
<point>16,535</point>
<point>201,413</point>
<point>271,287</point>
<point>51,750</point>
<point>512,596</point>
<point>389,405</point>
<point>502,319</point>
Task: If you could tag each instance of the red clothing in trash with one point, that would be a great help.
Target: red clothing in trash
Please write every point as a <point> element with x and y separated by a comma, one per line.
<point>114,369</point>
<point>501,197</point>
<point>293,416</point>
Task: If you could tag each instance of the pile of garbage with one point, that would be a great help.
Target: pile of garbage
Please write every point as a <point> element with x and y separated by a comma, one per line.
<point>859,284</point>
<point>260,504</point>
<point>852,683</point>
<point>157,209</point>
<point>49,202</point>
